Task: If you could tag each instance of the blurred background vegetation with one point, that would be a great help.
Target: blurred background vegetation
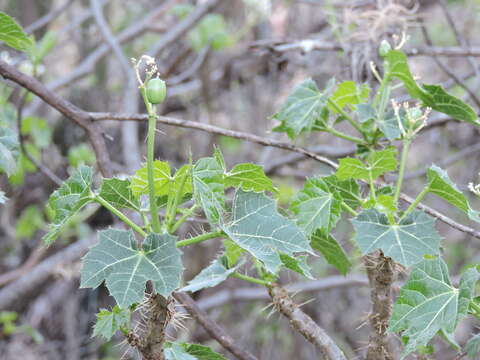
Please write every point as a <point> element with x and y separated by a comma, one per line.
<point>233,69</point>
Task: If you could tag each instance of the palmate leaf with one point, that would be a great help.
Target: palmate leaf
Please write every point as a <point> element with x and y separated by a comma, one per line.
<point>397,64</point>
<point>9,150</point>
<point>348,190</point>
<point>440,184</point>
<point>406,243</point>
<point>65,202</point>
<point>126,269</point>
<point>323,242</point>
<point>348,93</point>
<point>209,187</point>
<point>257,227</point>
<point>13,35</point>
<point>249,177</point>
<point>378,163</point>
<point>118,192</point>
<point>316,207</point>
<point>428,303</point>
<point>185,351</point>
<point>210,276</point>
<point>109,322</point>
<point>161,178</point>
<point>302,108</point>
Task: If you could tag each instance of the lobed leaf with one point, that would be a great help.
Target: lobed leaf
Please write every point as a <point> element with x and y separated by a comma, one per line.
<point>126,269</point>
<point>348,93</point>
<point>378,163</point>
<point>119,193</point>
<point>406,242</point>
<point>323,242</point>
<point>109,322</point>
<point>185,351</point>
<point>428,303</point>
<point>249,177</point>
<point>302,109</point>
<point>472,348</point>
<point>315,207</point>
<point>161,178</point>
<point>13,35</point>
<point>257,227</point>
<point>68,199</point>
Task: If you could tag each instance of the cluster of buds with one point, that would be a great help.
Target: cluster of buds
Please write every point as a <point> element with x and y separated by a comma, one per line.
<point>415,118</point>
<point>151,68</point>
<point>475,188</point>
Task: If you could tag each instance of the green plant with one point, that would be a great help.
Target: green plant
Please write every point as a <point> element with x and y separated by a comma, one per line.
<point>258,235</point>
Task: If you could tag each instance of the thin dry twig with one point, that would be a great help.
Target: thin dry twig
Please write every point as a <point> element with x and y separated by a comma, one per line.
<point>212,328</point>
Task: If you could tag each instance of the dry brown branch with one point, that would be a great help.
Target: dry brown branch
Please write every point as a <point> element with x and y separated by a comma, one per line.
<point>212,328</point>
<point>304,324</point>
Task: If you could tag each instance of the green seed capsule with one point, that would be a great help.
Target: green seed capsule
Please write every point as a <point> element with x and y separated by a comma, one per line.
<point>156,91</point>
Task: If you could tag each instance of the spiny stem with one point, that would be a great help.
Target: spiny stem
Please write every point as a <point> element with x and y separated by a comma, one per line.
<point>119,214</point>
<point>200,238</point>
<point>250,279</point>
<point>401,172</point>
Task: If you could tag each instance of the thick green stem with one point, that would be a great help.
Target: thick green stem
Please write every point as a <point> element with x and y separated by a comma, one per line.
<point>415,202</point>
<point>182,219</point>
<point>349,209</point>
<point>401,172</point>
<point>250,279</point>
<point>200,238</point>
<point>152,122</point>
<point>119,214</point>
<point>372,186</point>
<point>346,116</point>
<point>172,210</point>
<point>345,136</point>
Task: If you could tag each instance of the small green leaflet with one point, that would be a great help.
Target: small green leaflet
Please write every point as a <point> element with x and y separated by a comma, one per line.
<point>438,99</point>
<point>349,189</point>
<point>68,199</point>
<point>257,227</point>
<point>249,177</point>
<point>297,264</point>
<point>209,188</point>
<point>185,351</point>
<point>13,35</point>
<point>315,207</point>
<point>428,303</point>
<point>406,243</point>
<point>378,163</point>
<point>126,269</point>
<point>472,348</point>
<point>348,93</point>
<point>9,150</point>
<point>397,66</point>
<point>433,96</point>
<point>161,178</point>
<point>233,252</point>
<point>302,109</point>
<point>329,247</point>
<point>211,276</point>
<point>440,184</point>
<point>119,193</point>
<point>109,322</point>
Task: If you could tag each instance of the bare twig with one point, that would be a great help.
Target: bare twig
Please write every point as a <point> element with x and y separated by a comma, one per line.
<point>212,328</point>
<point>72,112</point>
<point>447,71</point>
<point>130,143</point>
<point>304,324</point>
